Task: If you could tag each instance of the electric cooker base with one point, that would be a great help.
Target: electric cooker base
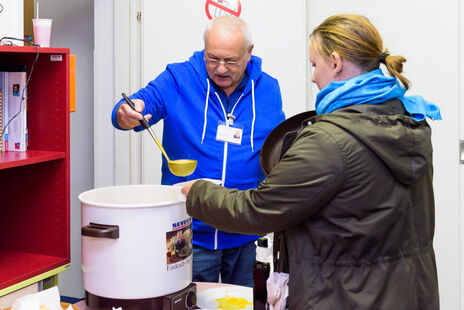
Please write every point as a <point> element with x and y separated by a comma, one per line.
<point>182,300</point>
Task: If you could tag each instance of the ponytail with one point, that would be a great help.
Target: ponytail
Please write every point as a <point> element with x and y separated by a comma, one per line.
<point>394,66</point>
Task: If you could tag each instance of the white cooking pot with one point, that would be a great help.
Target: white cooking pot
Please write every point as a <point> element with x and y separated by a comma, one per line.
<point>136,241</point>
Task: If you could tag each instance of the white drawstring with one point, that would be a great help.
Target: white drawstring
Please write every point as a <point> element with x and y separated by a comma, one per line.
<point>222,106</point>
<point>254,113</point>
<point>226,144</point>
<point>206,111</point>
<point>253,108</point>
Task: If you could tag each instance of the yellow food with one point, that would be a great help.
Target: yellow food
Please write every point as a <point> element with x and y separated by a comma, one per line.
<point>44,307</point>
<point>233,303</point>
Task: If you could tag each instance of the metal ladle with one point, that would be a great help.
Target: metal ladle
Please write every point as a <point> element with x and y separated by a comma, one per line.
<point>179,167</point>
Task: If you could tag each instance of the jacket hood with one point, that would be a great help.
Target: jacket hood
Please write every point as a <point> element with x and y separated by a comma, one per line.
<point>253,69</point>
<point>254,72</point>
<point>400,142</point>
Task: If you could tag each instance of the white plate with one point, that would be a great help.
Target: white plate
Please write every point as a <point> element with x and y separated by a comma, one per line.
<point>182,184</point>
<point>206,299</point>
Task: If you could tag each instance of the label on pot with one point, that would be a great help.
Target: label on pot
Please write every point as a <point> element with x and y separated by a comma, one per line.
<point>179,244</point>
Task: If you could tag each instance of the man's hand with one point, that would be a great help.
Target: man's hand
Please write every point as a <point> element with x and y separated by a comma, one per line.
<point>128,118</point>
<point>186,189</point>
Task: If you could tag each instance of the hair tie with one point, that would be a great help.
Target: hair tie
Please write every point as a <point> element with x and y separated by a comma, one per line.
<point>383,57</point>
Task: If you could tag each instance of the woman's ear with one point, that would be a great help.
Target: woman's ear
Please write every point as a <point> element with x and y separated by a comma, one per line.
<point>336,63</point>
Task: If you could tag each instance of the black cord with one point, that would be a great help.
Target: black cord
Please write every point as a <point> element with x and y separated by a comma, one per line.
<point>25,87</point>
<point>11,38</point>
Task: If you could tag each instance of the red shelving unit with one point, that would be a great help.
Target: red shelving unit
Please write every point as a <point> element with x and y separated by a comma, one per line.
<point>35,185</point>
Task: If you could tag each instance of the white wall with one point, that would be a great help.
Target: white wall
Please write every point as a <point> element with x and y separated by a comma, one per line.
<point>12,20</point>
<point>73,28</point>
<point>461,130</point>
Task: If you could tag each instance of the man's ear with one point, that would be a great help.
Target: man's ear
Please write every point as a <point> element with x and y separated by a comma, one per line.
<point>336,63</point>
<point>249,50</point>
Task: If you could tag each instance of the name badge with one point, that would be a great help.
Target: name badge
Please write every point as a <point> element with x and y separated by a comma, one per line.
<point>231,134</point>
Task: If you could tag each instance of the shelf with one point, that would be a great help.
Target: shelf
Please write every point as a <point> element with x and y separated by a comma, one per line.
<point>21,268</point>
<point>35,185</point>
<point>32,49</point>
<point>16,159</point>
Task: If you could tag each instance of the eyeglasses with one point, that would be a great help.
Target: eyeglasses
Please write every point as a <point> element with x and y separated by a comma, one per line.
<point>227,63</point>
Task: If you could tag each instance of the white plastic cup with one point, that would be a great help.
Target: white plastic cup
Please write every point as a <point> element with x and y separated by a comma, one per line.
<point>42,31</point>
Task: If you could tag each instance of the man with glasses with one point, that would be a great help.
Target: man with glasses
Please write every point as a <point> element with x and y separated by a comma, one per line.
<point>219,94</point>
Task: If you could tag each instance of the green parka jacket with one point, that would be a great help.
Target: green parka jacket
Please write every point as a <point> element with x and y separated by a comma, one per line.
<point>353,201</point>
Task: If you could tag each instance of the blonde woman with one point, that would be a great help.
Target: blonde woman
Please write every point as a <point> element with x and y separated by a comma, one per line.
<point>352,198</point>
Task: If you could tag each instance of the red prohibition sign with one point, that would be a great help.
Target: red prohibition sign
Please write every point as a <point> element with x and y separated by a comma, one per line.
<point>222,7</point>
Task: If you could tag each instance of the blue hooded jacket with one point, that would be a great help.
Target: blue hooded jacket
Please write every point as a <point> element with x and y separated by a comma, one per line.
<point>184,97</point>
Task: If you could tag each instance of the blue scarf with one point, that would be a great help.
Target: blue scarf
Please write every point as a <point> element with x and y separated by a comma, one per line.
<point>371,88</point>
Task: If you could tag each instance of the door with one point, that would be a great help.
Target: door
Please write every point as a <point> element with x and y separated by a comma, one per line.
<point>460,245</point>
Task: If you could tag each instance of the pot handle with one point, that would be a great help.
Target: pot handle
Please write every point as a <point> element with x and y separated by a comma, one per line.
<point>100,231</point>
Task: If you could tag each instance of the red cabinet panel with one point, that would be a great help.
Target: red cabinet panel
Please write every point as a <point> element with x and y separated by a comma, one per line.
<point>35,185</point>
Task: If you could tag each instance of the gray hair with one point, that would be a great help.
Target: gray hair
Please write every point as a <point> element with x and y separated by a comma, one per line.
<point>230,23</point>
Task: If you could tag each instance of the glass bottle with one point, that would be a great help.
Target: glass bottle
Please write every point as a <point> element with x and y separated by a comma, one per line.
<point>261,273</point>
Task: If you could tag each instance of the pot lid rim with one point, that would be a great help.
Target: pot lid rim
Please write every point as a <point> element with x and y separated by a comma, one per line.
<point>87,202</point>
<point>132,206</point>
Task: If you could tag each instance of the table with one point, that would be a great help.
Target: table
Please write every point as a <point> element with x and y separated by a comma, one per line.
<point>200,287</point>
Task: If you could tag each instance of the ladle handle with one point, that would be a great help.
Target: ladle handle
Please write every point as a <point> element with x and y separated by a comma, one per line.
<point>145,125</point>
<point>143,122</point>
